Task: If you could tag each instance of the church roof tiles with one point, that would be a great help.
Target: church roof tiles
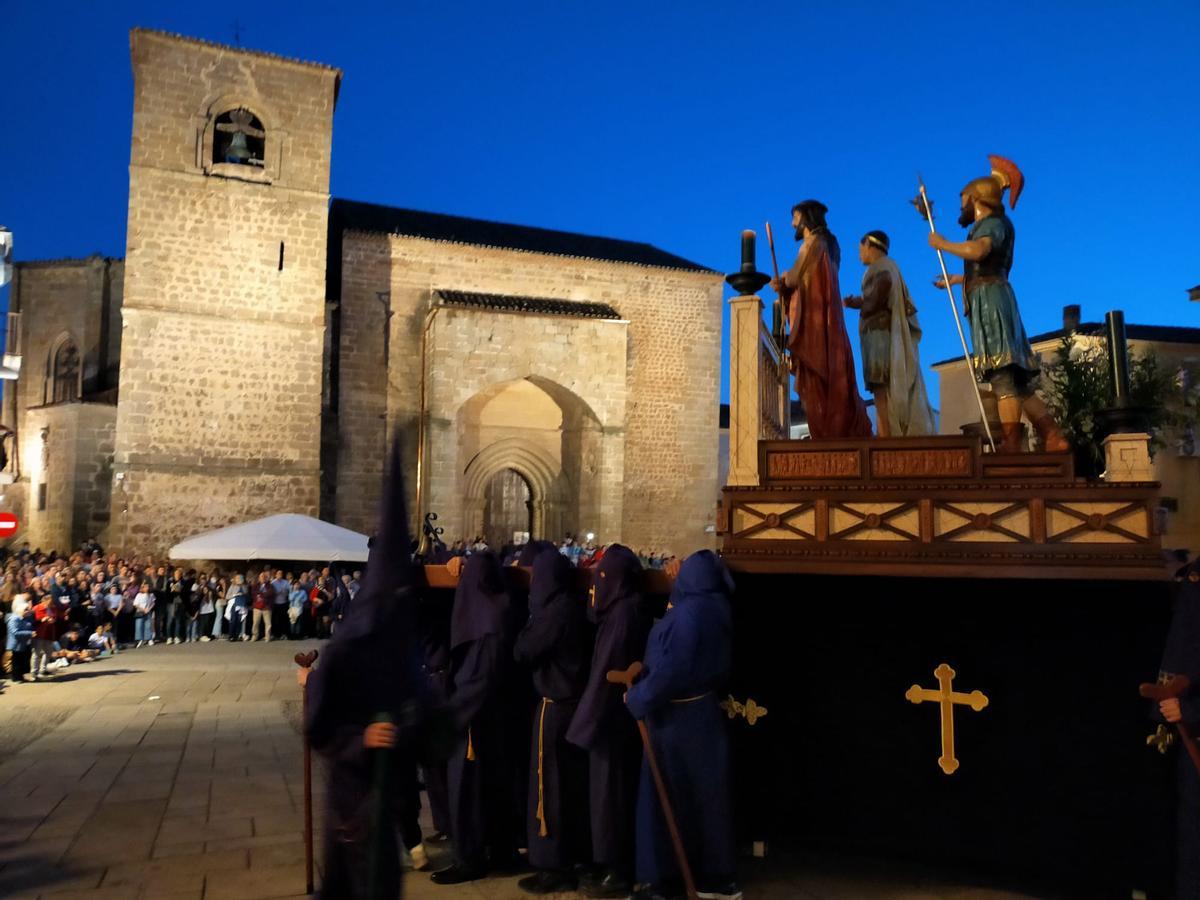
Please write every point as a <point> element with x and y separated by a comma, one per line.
<point>352,215</point>
<point>544,306</point>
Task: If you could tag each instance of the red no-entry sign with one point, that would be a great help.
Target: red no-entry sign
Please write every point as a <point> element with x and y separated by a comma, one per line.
<point>8,525</point>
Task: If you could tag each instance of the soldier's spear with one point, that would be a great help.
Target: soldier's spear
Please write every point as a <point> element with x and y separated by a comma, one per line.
<point>925,208</point>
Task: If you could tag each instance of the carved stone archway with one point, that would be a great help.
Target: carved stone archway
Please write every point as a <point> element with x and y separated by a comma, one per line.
<point>535,465</point>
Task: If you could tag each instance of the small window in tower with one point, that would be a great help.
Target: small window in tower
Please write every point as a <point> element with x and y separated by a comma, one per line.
<point>42,497</point>
<point>64,373</point>
<point>239,138</point>
<point>281,256</point>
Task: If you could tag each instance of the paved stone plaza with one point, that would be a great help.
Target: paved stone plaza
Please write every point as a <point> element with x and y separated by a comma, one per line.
<point>177,772</point>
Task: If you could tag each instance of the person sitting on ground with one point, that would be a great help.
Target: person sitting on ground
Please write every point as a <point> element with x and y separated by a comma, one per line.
<point>72,648</point>
<point>102,642</point>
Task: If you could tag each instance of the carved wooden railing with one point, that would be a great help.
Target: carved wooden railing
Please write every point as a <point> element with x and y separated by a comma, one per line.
<point>773,421</point>
<point>758,389</point>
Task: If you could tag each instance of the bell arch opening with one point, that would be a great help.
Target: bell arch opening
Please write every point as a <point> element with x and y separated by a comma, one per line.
<point>239,138</point>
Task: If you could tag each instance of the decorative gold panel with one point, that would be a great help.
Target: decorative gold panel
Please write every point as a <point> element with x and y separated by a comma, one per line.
<point>874,522</point>
<point>775,521</point>
<point>1097,523</point>
<point>1005,523</point>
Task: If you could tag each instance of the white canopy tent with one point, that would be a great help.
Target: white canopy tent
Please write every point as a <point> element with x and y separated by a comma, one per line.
<point>286,536</point>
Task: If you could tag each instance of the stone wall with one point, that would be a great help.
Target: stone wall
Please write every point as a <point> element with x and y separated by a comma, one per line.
<point>667,470</point>
<point>79,298</point>
<point>220,410</point>
<point>74,462</point>
<point>76,299</point>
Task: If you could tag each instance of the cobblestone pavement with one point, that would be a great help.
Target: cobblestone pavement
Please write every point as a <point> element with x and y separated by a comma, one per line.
<point>177,772</point>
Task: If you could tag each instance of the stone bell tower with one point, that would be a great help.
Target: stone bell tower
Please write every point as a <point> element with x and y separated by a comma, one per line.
<point>219,417</point>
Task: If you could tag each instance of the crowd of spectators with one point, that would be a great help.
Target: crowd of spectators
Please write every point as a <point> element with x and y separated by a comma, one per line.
<point>58,610</point>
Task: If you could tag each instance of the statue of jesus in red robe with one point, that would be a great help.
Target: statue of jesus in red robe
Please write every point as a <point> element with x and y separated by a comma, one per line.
<point>821,361</point>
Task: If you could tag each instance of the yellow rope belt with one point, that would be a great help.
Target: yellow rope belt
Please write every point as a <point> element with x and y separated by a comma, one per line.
<point>692,699</point>
<point>470,747</point>
<point>543,831</point>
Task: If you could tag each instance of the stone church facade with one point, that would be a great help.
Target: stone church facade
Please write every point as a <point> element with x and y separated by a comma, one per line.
<point>273,341</point>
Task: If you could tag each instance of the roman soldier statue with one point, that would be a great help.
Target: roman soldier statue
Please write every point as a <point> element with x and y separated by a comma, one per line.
<point>1003,357</point>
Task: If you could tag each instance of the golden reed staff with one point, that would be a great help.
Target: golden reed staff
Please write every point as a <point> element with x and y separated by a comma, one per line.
<point>780,312</point>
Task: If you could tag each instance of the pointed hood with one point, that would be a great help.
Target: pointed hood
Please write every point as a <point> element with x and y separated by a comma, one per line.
<point>702,578</point>
<point>481,603</point>
<point>372,664</point>
<point>532,550</point>
<point>615,578</point>
<point>384,600</point>
<point>553,575</point>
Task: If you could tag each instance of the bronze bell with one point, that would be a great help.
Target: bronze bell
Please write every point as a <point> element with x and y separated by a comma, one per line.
<point>237,151</point>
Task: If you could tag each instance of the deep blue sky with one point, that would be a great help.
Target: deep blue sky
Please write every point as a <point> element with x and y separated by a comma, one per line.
<point>682,123</point>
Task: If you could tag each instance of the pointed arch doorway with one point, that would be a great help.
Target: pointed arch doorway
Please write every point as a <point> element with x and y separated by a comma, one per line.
<point>507,508</point>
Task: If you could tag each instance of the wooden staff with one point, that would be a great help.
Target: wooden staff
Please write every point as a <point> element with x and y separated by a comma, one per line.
<point>1173,689</point>
<point>781,312</point>
<point>627,678</point>
<point>380,827</point>
<point>305,661</point>
<point>925,208</point>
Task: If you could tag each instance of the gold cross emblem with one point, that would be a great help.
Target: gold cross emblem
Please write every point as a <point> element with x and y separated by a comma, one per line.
<point>947,699</point>
<point>749,710</point>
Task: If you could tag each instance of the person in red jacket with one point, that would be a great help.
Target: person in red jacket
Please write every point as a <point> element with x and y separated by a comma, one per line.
<point>47,615</point>
<point>263,597</point>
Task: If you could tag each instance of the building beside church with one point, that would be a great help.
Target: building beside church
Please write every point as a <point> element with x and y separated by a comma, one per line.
<point>260,344</point>
<point>1177,466</point>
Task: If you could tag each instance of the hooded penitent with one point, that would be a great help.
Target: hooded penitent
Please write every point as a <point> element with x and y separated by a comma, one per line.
<point>532,550</point>
<point>613,604</point>
<point>369,669</point>
<point>520,691</point>
<point>601,724</point>
<point>555,645</point>
<point>554,641</point>
<point>479,771</point>
<point>480,601</point>
<point>687,662</point>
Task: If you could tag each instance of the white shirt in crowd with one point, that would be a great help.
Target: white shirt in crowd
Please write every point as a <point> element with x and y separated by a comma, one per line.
<point>143,602</point>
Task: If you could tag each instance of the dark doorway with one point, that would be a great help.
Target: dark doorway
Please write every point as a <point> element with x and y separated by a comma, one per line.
<point>507,508</point>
